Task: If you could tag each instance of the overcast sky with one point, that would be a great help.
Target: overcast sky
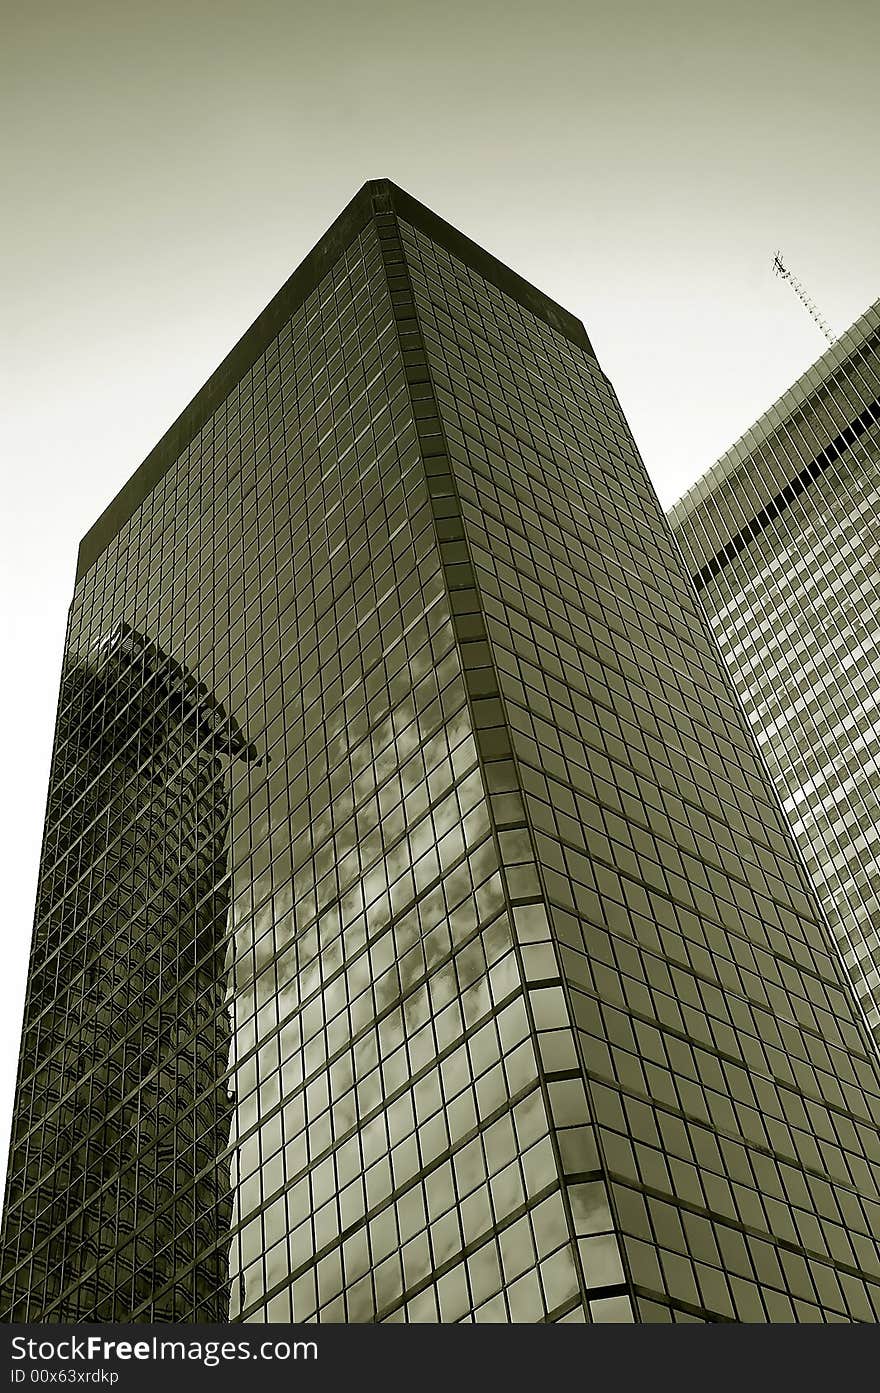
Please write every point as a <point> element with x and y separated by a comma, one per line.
<point>167,164</point>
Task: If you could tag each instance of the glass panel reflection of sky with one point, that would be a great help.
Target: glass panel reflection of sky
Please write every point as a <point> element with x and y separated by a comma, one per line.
<point>343,999</point>
<point>530,1017</point>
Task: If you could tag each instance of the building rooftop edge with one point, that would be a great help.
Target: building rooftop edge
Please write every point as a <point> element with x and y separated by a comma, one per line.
<point>778,412</point>
<point>375,196</point>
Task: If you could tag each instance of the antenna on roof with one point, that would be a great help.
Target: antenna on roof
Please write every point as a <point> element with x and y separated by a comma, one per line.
<point>782,271</point>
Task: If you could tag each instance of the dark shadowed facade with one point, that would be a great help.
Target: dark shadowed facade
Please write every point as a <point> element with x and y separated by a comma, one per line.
<point>781,539</point>
<point>533,1014</point>
<point>122,1106</point>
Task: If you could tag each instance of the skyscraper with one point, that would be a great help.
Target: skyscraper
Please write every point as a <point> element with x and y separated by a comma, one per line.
<point>533,1016</point>
<point>781,539</point>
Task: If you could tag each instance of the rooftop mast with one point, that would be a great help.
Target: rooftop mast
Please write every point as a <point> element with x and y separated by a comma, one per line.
<point>785,274</point>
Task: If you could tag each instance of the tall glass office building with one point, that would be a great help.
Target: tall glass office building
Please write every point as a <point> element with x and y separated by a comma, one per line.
<point>491,986</point>
<point>781,539</point>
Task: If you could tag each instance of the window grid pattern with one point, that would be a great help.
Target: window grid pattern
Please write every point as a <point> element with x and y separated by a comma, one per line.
<point>713,1018</point>
<point>795,616</point>
<point>417,937</point>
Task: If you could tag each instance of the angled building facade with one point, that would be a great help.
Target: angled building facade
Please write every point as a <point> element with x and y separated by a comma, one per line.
<point>781,540</point>
<point>532,1013</point>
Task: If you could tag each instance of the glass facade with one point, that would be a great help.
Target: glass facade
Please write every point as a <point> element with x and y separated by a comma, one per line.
<point>126,1024</point>
<point>781,539</point>
<point>511,997</point>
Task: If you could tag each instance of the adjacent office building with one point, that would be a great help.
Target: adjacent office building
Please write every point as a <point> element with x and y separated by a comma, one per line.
<point>781,539</point>
<point>526,1006</point>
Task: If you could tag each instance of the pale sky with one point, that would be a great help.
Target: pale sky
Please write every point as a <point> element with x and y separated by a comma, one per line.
<point>166,165</point>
